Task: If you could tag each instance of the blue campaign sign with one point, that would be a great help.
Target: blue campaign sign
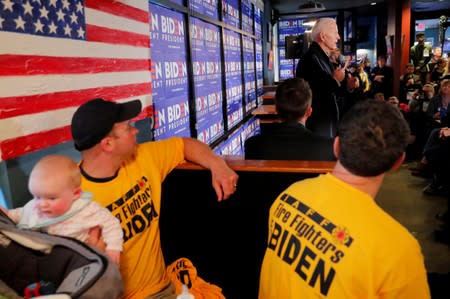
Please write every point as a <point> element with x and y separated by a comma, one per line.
<point>259,68</point>
<point>173,71</point>
<point>233,73</point>
<point>250,92</point>
<point>214,75</point>
<point>171,118</point>
<point>249,129</point>
<point>215,101</point>
<point>211,8</point>
<point>259,55</point>
<point>201,106</point>
<point>249,48</point>
<point>230,13</point>
<point>234,105</point>
<point>197,30</point>
<point>206,63</point>
<point>286,71</point>
<point>258,22</point>
<point>167,31</point>
<point>247,16</point>
<point>232,44</point>
<point>286,66</point>
<point>234,90</point>
<point>208,105</point>
<point>233,145</point>
<point>206,7</point>
<point>288,27</point>
<point>198,58</point>
<point>210,130</point>
<point>249,73</point>
<point>212,39</point>
<point>168,52</point>
<point>197,6</point>
<point>179,2</point>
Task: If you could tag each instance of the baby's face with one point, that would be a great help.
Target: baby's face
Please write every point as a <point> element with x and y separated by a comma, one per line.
<point>52,200</point>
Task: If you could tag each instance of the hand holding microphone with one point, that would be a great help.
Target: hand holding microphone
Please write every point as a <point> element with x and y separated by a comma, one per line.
<point>339,73</point>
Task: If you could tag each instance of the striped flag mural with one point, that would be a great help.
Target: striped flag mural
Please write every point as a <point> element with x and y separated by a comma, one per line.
<point>57,54</point>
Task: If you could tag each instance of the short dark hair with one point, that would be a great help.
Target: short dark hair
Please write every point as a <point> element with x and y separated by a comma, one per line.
<point>372,136</point>
<point>292,98</point>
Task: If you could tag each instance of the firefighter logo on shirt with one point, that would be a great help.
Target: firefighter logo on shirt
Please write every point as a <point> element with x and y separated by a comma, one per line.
<point>340,234</point>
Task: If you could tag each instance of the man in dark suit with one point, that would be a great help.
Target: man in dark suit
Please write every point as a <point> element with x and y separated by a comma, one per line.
<point>329,83</point>
<point>290,140</point>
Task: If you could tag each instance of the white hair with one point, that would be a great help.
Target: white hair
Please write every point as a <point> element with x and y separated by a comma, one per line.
<point>321,25</point>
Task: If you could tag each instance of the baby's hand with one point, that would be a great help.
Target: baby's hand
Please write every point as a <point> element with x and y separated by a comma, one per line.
<point>114,255</point>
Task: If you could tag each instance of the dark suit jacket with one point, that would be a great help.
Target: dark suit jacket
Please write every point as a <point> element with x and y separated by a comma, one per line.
<point>285,141</point>
<point>316,68</point>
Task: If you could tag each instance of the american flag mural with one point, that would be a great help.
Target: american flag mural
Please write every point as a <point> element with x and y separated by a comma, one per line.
<point>57,54</point>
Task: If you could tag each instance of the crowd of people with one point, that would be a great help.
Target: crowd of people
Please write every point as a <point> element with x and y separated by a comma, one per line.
<point>372,129</point>
<point>326,229</point>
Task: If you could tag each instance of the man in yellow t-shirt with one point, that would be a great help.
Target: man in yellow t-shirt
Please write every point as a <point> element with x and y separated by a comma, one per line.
<point>327,236</point>
<point>126,178</point>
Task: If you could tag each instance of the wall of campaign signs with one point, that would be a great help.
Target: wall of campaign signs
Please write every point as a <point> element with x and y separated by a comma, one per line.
<point>287,27</point>
<point>206,68</point>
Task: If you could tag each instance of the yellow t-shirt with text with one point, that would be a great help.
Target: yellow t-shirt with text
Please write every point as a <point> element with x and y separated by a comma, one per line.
<point>329,240</point>
<point>134,197</point>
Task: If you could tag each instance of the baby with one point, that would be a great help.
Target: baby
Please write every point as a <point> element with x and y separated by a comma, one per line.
<point>59,207</point>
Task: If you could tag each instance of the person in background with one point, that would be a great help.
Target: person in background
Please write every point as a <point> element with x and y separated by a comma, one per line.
<point>438,71</point>
<point>364,79</point>
<point>336,58</point>
<point>327,236</point>
<point>126,178</point>
<point>367,66</point>
<point>394,101</point>
<point>428,94</point>
<point>420,55</point>
<point>437,111</point>
<point>379,96</point>
<point>437,54</point>
<point>290,139</point>
<point>328,83</point>
<point>381,77</point>
<point>409,81</point>
<point>436,152</point>
<point>417,121</point>
<point>59,207</point>
<point>358,93</point>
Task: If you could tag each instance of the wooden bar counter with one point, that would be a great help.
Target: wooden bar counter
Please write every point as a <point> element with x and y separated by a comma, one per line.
<point>226,240</point>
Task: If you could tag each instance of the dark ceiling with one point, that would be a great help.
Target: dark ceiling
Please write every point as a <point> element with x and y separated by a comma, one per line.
<point>290,6</point>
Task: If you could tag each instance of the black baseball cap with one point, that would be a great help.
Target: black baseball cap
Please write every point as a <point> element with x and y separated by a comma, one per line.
<point>93,120</point>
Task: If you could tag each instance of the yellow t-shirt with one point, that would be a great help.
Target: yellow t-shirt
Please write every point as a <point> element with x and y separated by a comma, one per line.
<point>329,240</point>
<point>134,197</point>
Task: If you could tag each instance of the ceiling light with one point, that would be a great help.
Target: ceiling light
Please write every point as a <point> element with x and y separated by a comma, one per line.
<point>311,6</point>
<point>309,22</point>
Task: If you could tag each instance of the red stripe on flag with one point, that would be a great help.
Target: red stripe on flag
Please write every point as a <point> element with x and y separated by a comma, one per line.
<point>12,148</point>
<point>101,34</point>
<point>15,65</point>
<point>118,9</point>
<point>14,106</point>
